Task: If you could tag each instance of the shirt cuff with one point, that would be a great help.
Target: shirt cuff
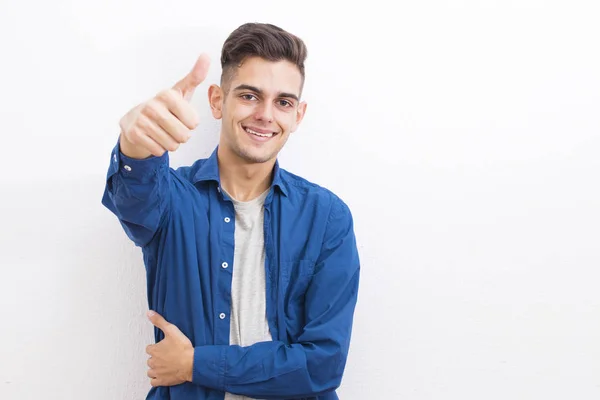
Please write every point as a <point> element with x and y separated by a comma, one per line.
<point>209,366</point>
<point>134,168</point>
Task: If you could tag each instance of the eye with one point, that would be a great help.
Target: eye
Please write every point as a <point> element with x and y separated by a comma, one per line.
<point>248,97</point>
<point>285,103</point>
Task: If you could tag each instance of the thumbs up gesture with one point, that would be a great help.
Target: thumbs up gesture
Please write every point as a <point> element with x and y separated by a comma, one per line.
<point>164,122</point>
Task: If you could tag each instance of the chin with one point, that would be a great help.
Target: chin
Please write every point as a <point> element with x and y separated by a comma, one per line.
<point>256,157</point>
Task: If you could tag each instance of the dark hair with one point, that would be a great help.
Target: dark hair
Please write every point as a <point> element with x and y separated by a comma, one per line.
<point>263,40</point>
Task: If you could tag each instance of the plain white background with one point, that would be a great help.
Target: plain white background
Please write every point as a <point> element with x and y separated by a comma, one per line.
<point>464,135</point>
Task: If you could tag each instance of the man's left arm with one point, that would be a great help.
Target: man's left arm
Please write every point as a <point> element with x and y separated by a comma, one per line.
<point>315,363</point>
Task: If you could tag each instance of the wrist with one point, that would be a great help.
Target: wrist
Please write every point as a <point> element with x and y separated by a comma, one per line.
<point>130,150</point>
<point>188,365</point>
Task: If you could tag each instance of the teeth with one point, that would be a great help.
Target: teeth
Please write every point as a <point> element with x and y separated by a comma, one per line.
<point>258,134</point>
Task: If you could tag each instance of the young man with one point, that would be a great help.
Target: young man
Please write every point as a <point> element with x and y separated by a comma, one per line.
<point>252,271</point>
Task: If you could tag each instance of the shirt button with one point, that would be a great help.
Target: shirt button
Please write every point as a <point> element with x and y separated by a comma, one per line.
<point>224,265</point>
<point>222,315</point>
<point>127,168</point>
<point>227,219</point>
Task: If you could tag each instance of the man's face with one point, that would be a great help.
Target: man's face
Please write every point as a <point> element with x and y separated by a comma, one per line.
<point>260,108</point>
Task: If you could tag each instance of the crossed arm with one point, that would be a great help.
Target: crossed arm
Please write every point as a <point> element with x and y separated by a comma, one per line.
<point>312,366</point>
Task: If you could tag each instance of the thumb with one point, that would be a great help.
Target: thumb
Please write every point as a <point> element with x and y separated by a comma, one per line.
<point>158,321</point>
<point>196,76</point>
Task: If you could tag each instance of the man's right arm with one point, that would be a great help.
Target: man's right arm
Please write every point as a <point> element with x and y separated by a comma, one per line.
<point>138,178</point>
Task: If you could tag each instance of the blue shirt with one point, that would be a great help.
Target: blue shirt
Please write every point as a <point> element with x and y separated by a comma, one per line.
<point>184,223</point>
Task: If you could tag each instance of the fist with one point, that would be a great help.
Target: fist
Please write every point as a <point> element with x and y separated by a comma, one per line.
<point>171,360</point>
<point>164,122</point>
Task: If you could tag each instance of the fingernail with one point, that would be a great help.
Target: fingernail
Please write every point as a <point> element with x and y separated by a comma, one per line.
<point>151,313</point>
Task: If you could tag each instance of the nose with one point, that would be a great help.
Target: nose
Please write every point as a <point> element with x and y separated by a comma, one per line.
<point>264,112</point>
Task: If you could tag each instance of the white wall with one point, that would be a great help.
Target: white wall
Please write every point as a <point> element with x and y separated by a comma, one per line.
<point>464,135</point>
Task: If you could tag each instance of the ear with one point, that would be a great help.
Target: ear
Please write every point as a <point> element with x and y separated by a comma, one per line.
<point>215,99</point>
<point>300,114</point>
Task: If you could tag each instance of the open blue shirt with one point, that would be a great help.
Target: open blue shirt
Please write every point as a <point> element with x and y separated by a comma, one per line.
<point>184,224</point>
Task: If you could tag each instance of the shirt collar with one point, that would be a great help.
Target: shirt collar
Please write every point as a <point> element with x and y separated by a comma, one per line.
<point>209,171</point>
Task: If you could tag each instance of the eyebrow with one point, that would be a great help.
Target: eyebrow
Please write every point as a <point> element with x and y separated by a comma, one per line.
<point>257,90</point>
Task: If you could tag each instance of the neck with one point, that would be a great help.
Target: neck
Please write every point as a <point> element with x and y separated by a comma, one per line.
<point>242,180</point>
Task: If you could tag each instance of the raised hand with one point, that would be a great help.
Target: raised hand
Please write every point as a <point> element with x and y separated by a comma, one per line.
<point>164,122</point>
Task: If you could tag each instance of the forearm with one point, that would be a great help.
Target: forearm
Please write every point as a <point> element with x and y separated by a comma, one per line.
<point>270,369</point>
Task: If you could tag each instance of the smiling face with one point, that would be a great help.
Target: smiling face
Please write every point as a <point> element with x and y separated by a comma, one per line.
<point>259,106</point>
